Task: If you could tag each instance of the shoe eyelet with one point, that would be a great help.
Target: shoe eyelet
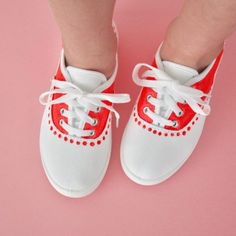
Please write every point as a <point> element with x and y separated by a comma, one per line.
<point>145,110</point>
<point>61,122</point>
<point>149,97</point>
<point>95,122</point>
<point>92,132</point>
<point>98,109</point>
<point>62,111</point>
<point>175,123</point>
<point>180,113</point>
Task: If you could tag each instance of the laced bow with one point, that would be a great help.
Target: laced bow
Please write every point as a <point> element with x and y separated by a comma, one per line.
<point>170,92</point>
<point>81,103</point>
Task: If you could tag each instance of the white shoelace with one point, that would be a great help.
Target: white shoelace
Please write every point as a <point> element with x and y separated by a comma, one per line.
<point>80,103</point>
<point>170,92</point>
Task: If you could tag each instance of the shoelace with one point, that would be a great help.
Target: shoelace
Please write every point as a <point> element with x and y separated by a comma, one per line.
<point>170,92</point>
<point>81,103</point>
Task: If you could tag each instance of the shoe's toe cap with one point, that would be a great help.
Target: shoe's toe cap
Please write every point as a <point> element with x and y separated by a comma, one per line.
<point>74,170</point>
<point>149,158</point>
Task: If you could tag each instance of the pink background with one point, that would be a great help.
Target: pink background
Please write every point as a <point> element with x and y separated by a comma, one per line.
<point>199,200</point>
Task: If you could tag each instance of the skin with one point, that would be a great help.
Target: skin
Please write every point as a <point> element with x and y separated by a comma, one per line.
<point>194,38</point>
<point>87,35</point>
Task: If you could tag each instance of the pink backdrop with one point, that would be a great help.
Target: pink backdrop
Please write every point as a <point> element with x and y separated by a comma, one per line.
<point>198,200</point>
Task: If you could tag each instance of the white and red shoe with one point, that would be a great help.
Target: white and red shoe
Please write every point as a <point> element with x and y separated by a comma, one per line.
<point>167,120</point>
<point>75,137</point>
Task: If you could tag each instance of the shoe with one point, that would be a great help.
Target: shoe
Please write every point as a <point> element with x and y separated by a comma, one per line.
<point>167,120</point>
<point>75,136</point>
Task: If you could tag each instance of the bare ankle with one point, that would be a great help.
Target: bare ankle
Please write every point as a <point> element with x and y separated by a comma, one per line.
<point>95,52</point>
<point>182,47</point>
<point>197,60</point>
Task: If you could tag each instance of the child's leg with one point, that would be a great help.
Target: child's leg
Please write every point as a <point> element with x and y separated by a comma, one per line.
<point>197,35</point>
<point>88,38</point>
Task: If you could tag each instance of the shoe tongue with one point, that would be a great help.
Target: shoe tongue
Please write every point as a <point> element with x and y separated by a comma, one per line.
<point>87,80</point>
<point>179,72</point>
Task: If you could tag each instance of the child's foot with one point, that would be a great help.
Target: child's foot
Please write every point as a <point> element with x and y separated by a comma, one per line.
<point>167,120</point>
<point>75,138</point>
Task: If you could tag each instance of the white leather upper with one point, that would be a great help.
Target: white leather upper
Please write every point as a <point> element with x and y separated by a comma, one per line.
<point>150,153</point>
<point>152,158</point>
<point>72,167</point>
